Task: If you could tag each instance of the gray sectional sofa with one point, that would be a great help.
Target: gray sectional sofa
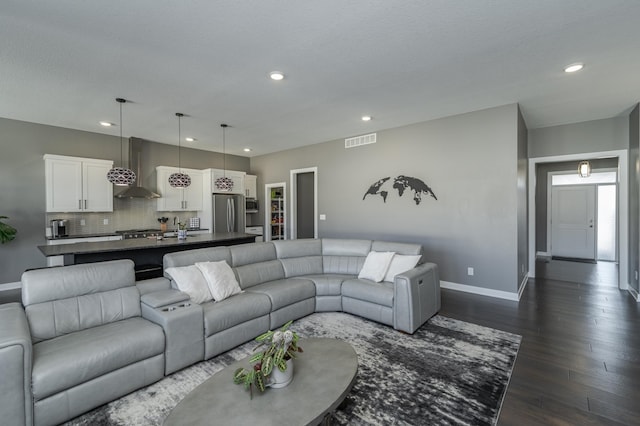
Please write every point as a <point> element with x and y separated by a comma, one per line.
<point>89,334</point>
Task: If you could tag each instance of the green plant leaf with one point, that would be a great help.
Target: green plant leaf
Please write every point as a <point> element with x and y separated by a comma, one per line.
<point>239,376</point>
<point>257,357</point>
<point>260,381</point>
<point>267,366</point>
<point>278,356</point>
<point>7,232</point>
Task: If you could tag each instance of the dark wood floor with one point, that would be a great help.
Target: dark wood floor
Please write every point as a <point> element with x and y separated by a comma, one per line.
<point>579,361</point>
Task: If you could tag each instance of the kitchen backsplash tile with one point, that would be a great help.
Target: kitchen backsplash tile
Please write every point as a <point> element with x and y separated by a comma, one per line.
<point>127,214</point>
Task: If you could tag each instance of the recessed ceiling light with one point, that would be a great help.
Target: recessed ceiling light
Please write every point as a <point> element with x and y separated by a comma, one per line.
<point>247,150</point>
<point>190,139</point>
<point>366,118</point>
<point>276,75</point>
<point>573,67</point>
<point>106,124</point>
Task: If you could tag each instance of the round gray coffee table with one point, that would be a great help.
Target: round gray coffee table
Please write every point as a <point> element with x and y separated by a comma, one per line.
<point>323,376</point>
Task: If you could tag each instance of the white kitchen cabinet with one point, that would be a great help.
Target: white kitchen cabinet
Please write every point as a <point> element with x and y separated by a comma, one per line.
<point>251,186</point>
<point>76,184</point>
<point>235,176</point>
<point>179,199</point>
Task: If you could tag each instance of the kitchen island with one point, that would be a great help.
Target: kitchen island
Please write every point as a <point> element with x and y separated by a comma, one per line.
<point>146,253</point>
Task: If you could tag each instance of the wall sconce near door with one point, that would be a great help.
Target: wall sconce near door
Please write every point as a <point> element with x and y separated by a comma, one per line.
<point>584,169</point>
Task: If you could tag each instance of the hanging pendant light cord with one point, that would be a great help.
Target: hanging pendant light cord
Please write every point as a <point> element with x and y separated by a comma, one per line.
<point>224,150</point>
<point>121,101</point>
<point>179,115</point>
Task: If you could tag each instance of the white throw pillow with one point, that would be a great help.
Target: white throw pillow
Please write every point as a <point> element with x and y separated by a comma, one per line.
<point>401,263</point>
<point>376,265</point>
<point>220,279</point>
<point>190,280</point>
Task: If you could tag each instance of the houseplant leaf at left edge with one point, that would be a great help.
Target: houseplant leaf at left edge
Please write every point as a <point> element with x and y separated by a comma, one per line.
<point>279,346</point>
<point>7,232</point>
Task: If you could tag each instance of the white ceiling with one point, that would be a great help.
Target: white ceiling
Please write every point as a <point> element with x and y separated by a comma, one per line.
<point>64,62</point>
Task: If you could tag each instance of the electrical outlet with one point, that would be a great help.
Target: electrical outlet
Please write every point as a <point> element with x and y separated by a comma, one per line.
<point>83,222</point>
<point>323,217</point>
<point>105,221</point>
<point>469,271</point>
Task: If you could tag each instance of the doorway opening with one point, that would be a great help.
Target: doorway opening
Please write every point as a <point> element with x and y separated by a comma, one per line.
<point>275,218</point>
<point>304,203</point>
<point>537,234</point>
<point>582,215</point>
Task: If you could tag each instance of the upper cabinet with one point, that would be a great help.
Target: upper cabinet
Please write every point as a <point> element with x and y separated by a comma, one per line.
<point>76,184</point>
<point>179,199</point>
<point>251,186</point>
<point>236,177</point>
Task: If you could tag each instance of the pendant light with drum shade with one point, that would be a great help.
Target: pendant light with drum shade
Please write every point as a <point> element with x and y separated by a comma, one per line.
<point>179,180</point>
<point>121,176</point>
<point>224,184</point>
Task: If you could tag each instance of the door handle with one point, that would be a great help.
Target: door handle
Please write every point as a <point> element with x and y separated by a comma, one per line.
<point>85,204</point>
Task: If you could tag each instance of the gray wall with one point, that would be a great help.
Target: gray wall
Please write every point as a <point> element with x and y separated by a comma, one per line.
<point>634,195</point>
<point>22,181</point>
<point>523,211</point>
<point>542,173</point>
<point>590,136</point>
<point>471,163</point>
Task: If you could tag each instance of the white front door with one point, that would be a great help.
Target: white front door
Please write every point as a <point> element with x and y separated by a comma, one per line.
<point>573,221</point>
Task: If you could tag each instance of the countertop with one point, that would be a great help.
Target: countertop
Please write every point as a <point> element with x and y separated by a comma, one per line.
<point>138,244</point>
<point>71,237</point>
<point>115,234</point>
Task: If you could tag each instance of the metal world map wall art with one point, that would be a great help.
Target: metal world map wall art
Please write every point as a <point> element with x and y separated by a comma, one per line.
<point>401,184</point>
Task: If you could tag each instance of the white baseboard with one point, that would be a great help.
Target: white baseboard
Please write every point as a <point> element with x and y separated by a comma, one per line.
<point>10,286</point>
<point>634,293</point>
<point>523,284</point>
<point>479,290</point>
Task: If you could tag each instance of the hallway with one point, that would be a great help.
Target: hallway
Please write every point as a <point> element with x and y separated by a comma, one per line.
<point>602,273</point>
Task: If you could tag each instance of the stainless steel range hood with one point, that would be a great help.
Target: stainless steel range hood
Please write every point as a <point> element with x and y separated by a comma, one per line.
<point>135,161</point>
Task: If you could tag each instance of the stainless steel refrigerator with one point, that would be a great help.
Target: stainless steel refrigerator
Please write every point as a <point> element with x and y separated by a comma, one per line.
<point>228,213</point>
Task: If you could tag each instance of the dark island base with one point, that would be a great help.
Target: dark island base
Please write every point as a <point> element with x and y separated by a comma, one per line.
<point>148,261</point>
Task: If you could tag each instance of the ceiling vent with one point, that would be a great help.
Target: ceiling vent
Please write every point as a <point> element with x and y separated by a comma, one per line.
<point>360,140</point>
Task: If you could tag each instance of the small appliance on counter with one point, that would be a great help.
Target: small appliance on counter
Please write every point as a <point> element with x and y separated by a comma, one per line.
<point>59,228</point>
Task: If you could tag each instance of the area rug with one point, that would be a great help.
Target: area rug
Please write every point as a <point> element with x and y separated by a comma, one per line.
<point>449,372</point>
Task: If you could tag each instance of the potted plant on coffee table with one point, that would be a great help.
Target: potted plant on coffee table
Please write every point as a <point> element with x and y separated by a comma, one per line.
<point>273,366</point>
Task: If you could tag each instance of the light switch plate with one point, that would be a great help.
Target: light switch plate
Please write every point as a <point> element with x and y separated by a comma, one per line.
<point>323,217</point>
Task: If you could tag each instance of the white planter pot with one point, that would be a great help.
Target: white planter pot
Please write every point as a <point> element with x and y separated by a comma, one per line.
<point>182,234</point>
<point>280,379</point>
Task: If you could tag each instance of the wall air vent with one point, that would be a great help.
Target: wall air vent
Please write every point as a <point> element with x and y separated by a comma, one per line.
<point>360,140</point>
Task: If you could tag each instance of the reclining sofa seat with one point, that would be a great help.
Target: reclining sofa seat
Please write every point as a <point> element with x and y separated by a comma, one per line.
<point>89,344</point>
<point>285,280</point>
